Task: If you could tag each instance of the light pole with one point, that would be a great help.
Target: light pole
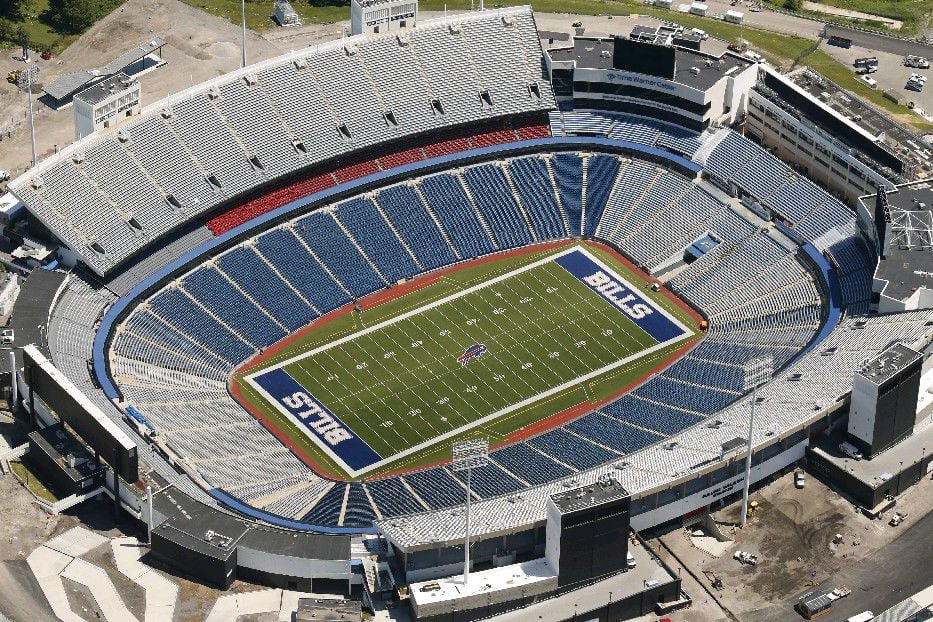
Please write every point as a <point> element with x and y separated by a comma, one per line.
<point>757,372</point>
<point>243,24</point>
<point>24,83</point>
<point>467,455</point>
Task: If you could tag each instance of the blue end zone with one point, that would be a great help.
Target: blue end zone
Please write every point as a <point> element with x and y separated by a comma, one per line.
<point>324,426</point>
<point>627,300</point>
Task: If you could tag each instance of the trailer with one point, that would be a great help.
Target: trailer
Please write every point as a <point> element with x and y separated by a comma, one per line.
<point>838,41</point>
<point>734,17</point>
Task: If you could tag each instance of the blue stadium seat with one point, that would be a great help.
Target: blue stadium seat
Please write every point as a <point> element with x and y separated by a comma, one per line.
<point>281,248</point>
<point>222,299</point>
<point>452,206</point>
<point>392,497</point>
<point>321,233</point>
<point>407,212</point>
<point>180,311</point>
<point>372,233</point>
<point>257,279</point>
<point>495,200</point>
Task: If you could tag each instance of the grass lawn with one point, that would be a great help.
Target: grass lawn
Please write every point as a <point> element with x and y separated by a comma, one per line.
<point>551,343</point>
<point>259,14</point>
<point>914,13</point>
<point>32,482</point>
<point>42,35</point>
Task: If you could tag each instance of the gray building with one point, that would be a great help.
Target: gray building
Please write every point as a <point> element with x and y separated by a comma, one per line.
<point>378,16</point>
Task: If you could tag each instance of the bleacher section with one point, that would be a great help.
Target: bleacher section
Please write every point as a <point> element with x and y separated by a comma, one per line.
<point>809,212</point>
<point>642,130</point>
<point>212,143</point>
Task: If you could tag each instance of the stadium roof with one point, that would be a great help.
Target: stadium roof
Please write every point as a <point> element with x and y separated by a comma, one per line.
<point>597,53</point>
<point>190,519</point>
<point>907,263</point>
<point>895,137</point>
<point>888,363</point>
<point>67,85</point>
<point>589,496</point>
<point>105,88</point>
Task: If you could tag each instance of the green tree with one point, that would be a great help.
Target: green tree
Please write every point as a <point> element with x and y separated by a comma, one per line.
<point>14,9</point>
<point>7,31</point>
<point>76,16</point>
<point>793,5</point>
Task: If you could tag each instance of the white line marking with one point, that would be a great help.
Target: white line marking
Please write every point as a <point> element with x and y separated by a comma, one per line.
<point>685,334</point>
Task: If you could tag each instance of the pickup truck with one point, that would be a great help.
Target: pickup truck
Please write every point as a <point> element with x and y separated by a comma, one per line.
<point>839,592</point>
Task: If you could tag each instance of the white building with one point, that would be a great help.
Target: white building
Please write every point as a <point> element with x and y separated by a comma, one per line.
<point>9,290</point>
<point>105,104</point>
<point>375,16</point>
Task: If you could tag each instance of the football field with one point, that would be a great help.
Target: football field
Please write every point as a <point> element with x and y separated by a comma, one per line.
<point>439,370</point>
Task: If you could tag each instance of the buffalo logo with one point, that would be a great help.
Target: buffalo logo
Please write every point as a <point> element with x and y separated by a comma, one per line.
<point>471,353</point>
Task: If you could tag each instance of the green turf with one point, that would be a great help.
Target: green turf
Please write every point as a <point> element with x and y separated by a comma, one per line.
<point>400,386</point>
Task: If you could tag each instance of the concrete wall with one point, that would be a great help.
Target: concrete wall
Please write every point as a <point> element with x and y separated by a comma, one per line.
<point>711,494</point>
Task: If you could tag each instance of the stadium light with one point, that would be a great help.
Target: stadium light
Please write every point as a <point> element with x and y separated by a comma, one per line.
<point>757,372</point>
<point>466,456</point>
<point>24,83</point>
<point>243,23</point>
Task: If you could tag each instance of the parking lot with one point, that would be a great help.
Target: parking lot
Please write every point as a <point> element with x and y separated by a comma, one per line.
<point>891,74</point>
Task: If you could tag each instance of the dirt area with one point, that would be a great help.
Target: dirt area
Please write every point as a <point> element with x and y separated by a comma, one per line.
<point>792,532</point>
<point>832,10</point>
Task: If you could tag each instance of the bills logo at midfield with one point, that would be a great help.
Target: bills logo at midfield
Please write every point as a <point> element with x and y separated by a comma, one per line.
<point>473,352</point>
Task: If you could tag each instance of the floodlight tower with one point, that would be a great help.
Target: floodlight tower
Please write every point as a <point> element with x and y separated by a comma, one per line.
<point>24,82</point>
<point>757,372</point>
<point>243,40</point>
<point>467,455</point>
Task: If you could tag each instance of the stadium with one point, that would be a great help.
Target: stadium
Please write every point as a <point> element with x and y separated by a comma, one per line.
<point>300,282</point>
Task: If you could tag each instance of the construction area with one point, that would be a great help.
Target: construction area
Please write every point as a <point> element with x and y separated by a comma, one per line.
<point>796,540</point>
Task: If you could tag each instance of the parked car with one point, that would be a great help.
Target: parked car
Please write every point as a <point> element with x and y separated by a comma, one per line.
<point>897,518</point>
<point>865,616</point>
<point>629,560</point>
<point>799,480</point>
<point>744,557</point>
<point>848,449</point>
<point>4,176</point>
<point>870,82</point>
<point>916,61</point>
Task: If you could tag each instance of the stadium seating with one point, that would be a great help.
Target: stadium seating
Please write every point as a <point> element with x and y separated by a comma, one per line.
<point>760,300</point>
<point>206,147</point>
